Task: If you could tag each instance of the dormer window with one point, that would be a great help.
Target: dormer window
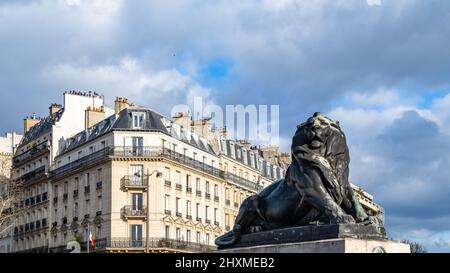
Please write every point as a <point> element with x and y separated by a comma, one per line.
<point>138,120</point>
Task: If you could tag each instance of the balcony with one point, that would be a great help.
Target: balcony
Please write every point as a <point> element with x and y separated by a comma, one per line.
<point>98,213</point>
<point>32,153</point>
<point>87,189</point>
<point>250,185</point>
<point>27,202</point>
<point>38,199</point>
<point>64,220</point>
<point>155,151</point>
<point>189,217</point>
<point>87,216</point>
<point>38,173</point>
<point>44,196</point>
<point>130,212</point>
<point>133,182</point>
<point>168,183</point>
<point>178,187</point>
<point>32,201</point>
<point>99,185</point>
<point>160,244</point>
<point>178,214</point>
<point>31,226</point>
<point>198,219</point>
<point>216,223</point>
<point>208,221</point>
<point>75,194</point>
<point>167,212</point>
<point>65,196</point>
<point>81,163</point>
<point>216,199</point>
<point>44,223</point>
<point>208,196</point>
<point>75,219</point>
<point>198,193</point>
<point>189,190</point>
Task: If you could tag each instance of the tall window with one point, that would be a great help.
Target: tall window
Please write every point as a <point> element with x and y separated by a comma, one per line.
<point>66,187</point>
<point>87,179</point>
<point>216,211</point>
<point>197,210</point>
<point>138,145</point>
<point>188,236</point>
<point>138,120</point>
<point>166,173</point>
<point>188,181</point>
<point>177,205</point>
<point>197,184</point>
<point>188,208</point>
<point>137,201</point>
<point>207,187</point>
<point>178,177</point>
<point>75,210</point>
<point>178,234</point>
<point>207,238</point>
<point>216,190</point>
<point>198,237</point>
<point>136,235</point>
<point>227,219</point>
<point>167,232</point>
<point>167,202</point>
<point>207,213</point>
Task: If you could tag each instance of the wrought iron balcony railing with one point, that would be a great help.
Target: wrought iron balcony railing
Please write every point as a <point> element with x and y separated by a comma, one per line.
<point>132,181</point>
<point>160,243</point>
<point>130,212</point>
<point>38,173</point>
<point>31,153</point>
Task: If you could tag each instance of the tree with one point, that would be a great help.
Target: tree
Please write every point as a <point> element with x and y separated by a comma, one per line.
<point>415,246</point>
<point>10,195</point>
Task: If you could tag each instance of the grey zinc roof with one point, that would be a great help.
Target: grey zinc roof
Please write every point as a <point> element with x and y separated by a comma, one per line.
<point>43,127</point>
<point>124,122</point>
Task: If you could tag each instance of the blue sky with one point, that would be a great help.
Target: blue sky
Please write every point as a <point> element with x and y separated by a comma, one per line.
<point>381,70</point>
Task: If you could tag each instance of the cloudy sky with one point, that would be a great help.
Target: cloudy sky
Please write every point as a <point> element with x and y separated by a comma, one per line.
<point>380,67</point>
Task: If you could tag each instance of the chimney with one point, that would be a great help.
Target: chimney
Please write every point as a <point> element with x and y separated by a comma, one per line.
<point>94,116</point>
<point>30,122</point>
<point>120,104</point>
<point>183,119</point>
<point>54,107</point>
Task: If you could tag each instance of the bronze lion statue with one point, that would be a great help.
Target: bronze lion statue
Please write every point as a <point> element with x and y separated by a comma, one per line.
<point>315,189</point>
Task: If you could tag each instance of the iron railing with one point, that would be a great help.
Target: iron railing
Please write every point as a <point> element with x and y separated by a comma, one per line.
<point>39,172</point>
<point>129,211</point>
<point>160,243</point>
<point>82,162</point>
<point>37,150</point>
<point>132,181</point>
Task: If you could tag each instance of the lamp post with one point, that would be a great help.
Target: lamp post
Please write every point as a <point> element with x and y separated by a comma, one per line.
<point>147,226</point>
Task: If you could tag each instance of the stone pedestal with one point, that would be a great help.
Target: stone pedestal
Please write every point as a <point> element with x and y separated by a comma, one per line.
<point>344,245</point>
<point>339,238</point>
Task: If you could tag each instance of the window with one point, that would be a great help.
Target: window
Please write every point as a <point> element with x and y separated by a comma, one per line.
<point>195,156</point>
<point>227,194</point>
<point>206,213</point>
<point>75,210</point>
<point>216,211</point>
<point>227,219</point>
<point>207,187</point>
<point>178,177</point>
<point>188,181</point>
<point>197,210</point>
<point>177,205</point>
<point>216,190</point>
<point>91,149</point>
<point>103,144</point>
<point>198,237</point>
<point>167,232</point>
<point>87,180</point>
<point>138,120</point>
<point>188,235</point>
<point>167,173</point>
<point>178,234</point>
<point>167,202</point>
<point>88,207</point>
<point>197,184</point>
<point>138,146</point>
<point>136,235</point>
<point>207,239</point>
<point>100,175</point>
<point>137,201</point>
<point>99,203</point>
<point>188,208</point>
<point>66,187</point>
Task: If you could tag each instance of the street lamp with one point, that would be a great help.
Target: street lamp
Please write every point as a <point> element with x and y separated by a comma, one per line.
<point>148,175</point>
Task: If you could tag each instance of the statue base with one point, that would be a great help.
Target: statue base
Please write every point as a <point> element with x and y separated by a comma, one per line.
<point>345,245</point>
<point>302,234</point>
